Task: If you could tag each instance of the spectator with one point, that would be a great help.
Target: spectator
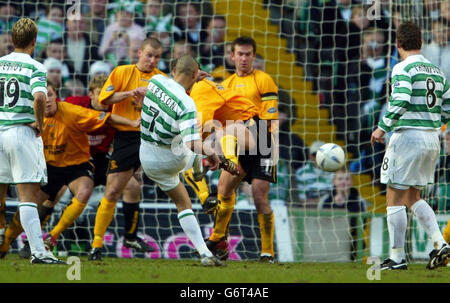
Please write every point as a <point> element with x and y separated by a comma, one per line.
<point>132,56</point>
<point>50,27</point>
<point>312,182</point>
<point>6,44</point>
<point>227,68</point>
<point>445,10</point>
<point>189,22</point>
<point>55,49</point>
<point>259,62</point>
<point>431,9</point>
<point>99,67</point>
<point>155,20</point>
<point>117,36</point>
<point>438,51</point>
<point>346,197</point>
<point>180,48</point>
<point>291,147</point>
<point>8,15</point>
<point>73,88</point>
<point>80,51</point>
<point>134,6</point>
<point>212,49</point>
<point>96,20</point>
<point>54,68</point>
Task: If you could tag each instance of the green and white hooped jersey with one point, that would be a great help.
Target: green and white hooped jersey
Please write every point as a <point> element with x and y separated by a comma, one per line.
<point>420,97</point>
<point>20,78</point>
<point>168,112</point>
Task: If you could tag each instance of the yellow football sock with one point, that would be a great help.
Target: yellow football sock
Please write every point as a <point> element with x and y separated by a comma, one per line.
<point>70,214</point>
<point>266,225</point>
<point>200,188</point>
<point>12,232</point>
<point>223,216</point>
<point>230,148</point>
<point>105,214</point>
<point>446,232</point>
<point>2,212</point>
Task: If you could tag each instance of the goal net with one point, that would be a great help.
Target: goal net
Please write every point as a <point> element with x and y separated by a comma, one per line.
<point>331,60</point>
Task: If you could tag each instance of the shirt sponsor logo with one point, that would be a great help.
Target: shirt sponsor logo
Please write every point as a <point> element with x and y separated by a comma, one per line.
<point>272,110</point>
<point>42,78</point>
<point>146,80</point>
<point>240,85</point>
<point>110,88</point>
<point>397,84</point>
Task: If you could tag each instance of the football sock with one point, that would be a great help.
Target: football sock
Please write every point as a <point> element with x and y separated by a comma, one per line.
<point>12,231</point>
<point>446,233</point>
<point>131,216</point>
<point>397,222</point>
<point>200,188</point>
<point>230,148</point>
<point>222,217</point>
<point>426,217</point>
<point>103,218</point>
<point>192,230</point>
<point>2,212</point>
<point>45,213</point>
<point>70,214</point>
<point>266,226</point>
<point>29,219</point>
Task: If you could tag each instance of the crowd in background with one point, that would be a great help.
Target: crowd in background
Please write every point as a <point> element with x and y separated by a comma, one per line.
<point>345,53</point>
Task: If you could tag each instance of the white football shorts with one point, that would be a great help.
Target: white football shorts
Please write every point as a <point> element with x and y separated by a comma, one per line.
<point>162,165</point>
<point>22,157</point>
<point>411,158</point>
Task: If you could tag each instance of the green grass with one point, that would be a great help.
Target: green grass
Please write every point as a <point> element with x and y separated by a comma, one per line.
<point>15,270</point>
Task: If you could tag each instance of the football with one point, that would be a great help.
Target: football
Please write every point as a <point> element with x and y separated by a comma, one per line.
<point>330,157</point>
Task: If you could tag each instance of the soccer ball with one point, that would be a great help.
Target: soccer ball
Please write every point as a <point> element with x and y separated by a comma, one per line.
<point>330,157</point>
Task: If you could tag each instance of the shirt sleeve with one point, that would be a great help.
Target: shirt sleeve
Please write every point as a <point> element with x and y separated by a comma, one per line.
<point>188,124</point>
<point>89,120</point>
<point>113,84</point>
<point>445,114</point>
<point>38,81</point>
<point>269,98</point>
<point>399,100</point>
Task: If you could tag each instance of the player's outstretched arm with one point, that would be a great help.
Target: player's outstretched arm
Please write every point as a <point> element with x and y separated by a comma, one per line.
<point>116,119</point>
<point>117,97</point>
<point>39,108</point>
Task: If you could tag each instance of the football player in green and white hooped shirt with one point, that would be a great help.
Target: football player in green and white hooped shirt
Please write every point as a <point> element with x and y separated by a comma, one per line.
<point>169,134</point>
<point>419,103</point>
<point>23,93</point>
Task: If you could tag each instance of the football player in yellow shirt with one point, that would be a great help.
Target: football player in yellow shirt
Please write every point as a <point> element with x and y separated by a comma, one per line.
<point>260,88</point>
<point>124,91</point>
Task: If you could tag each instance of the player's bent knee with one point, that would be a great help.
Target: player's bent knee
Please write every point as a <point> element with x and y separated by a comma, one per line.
<point>84,194</point>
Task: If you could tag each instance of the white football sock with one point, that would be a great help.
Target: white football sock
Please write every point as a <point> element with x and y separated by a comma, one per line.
<point>426,217</point>
<point>397,222</point>
<point>191,228</point>
<point>29,219</point>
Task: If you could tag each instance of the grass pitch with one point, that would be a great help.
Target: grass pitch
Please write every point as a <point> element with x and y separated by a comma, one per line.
<point>112,270</point>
